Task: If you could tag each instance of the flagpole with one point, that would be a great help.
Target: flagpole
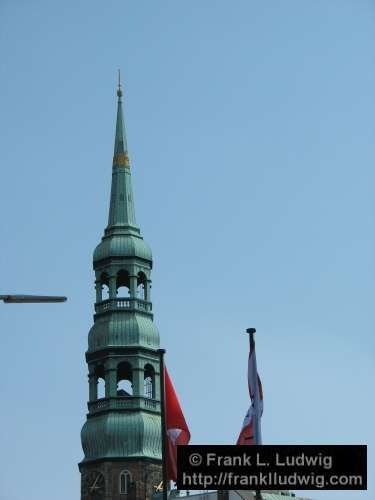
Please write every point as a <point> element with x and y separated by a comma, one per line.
<point>257,431</point>
<point>163,424</point>
<point>256,427</point>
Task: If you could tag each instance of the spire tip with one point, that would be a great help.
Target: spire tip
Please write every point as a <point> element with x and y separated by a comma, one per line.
<point>119,91</point>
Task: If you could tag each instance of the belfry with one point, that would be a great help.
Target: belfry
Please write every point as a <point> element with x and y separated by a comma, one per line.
<point>121,437</point>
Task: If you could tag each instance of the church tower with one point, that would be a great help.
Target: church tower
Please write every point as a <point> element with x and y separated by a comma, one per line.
<point>121,437</point>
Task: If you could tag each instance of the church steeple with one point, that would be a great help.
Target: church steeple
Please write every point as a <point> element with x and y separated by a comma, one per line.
<point>121,212</point>
<point>121,438</point>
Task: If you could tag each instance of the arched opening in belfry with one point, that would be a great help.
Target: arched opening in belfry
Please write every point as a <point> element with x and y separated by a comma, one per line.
<point>123,284</point>
<point>124,379</point>
<point>149,382</point>
<point>124,482</point>
<point>100,377</point>
<point>142,286</point>
<point>104,283</point>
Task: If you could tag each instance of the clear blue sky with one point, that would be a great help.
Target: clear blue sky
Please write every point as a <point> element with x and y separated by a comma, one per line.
<point>251,134</point>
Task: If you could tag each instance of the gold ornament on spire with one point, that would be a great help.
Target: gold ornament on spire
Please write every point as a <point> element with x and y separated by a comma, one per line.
<point>121,160</point>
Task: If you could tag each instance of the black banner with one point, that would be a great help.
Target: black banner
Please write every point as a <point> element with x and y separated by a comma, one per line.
<point>270,467</point>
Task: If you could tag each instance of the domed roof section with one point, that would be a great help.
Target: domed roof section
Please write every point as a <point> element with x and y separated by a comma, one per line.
<point>122,246</point>
<point>132,434</point>
<point>122,331</point>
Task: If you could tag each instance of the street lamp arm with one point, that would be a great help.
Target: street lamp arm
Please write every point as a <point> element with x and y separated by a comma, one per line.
<point>16,299</point>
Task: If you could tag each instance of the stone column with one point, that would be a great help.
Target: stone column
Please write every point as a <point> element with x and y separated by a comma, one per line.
<point>148,290</point>
<point>110,379</point>
<point>98,290</point>
<point>138,381</point>
<point>112,287</point>
<point>157,383</point>
<point>93,385</point>
<point>133,286</point>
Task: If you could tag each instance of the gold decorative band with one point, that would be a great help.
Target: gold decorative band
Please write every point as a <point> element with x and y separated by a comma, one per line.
<point>121,160</point>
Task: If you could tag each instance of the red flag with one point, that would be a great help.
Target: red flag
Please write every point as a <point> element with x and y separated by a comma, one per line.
<point>176,426</point>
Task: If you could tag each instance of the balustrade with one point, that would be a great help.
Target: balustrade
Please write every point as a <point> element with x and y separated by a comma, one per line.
<point>121,304</point>
<point>119,403</point>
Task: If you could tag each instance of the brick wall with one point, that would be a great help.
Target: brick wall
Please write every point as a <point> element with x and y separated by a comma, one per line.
<point>145,475</point>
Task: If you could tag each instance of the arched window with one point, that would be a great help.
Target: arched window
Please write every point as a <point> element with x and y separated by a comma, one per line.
<point>100,377</point>
<point>124,379</point>
<point>123,284</point>
<point>142,286</point>
<point>125,478</point>
<point>104,283</point>
<point>149,382</point>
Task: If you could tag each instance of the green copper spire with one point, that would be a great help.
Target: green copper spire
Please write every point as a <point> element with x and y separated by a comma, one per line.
<point>120,154</point>
<point>121,211</point>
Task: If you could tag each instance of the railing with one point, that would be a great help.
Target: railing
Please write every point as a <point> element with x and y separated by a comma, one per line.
<point>127,403</point>
<point>151,404</point>
<point>100,404</point>
<point>123,403</point>
<point>121,304</point>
